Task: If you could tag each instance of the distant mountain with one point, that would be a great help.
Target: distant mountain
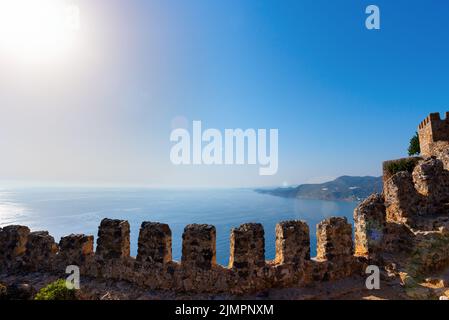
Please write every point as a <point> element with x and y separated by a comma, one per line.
<point>343,188</point>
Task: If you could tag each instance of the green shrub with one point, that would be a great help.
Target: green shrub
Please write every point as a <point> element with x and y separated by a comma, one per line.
<point>414,147</point>
<point>56,291</point>
<point>406,164</point>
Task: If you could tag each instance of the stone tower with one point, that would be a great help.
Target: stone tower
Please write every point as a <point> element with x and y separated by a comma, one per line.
<point>434,135</point>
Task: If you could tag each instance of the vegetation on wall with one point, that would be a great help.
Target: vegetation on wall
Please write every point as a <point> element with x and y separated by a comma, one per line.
<point>406,164</point>
<point>56,291</point>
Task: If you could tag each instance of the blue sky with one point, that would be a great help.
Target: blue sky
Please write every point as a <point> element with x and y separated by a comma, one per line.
<point>343,98</point>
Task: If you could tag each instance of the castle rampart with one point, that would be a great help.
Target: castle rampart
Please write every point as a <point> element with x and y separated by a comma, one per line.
<point>406,226</point>
<point>198,270</point>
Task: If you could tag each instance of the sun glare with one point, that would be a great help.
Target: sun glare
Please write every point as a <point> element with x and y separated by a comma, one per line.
<point>40,31</point>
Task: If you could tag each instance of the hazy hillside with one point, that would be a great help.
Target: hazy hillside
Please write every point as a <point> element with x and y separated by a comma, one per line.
<point>343,188</point>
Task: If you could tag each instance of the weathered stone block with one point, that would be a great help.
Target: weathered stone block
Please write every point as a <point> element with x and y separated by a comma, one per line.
<point>247,247</point>
<point>426,176</point>
<point>398,238</point>
<point>292,242</point>
<point>430,253</point>
<point>432,184</point>
<point>13,240</point>
<point>401,198</point>
<point>369,220</point>
<point>199,246</point>
<point>334,240</point>
<point>41,250</point>
<point>75,248</point>
<point>113,239</point>
<point>155,243</point>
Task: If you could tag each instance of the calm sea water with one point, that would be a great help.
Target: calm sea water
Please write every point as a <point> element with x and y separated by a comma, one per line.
<point>63,211</point>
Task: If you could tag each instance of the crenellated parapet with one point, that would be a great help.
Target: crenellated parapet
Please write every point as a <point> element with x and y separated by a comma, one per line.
<point>198,270</point>
<point>434,135</point>
<point>404,228</point>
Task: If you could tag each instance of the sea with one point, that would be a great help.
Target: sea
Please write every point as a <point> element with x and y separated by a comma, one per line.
<point>63,211</point>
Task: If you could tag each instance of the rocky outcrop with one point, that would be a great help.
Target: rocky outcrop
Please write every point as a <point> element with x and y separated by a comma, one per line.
<point>408,225</point>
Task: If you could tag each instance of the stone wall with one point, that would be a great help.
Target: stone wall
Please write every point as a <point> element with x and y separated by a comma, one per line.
<point>401,198</point>
<point>375,234</point>
<point>370,223</point>
<point>413,197</point>
<point>434,135</point>
<point>198,271</point>
<point>407,225</point>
